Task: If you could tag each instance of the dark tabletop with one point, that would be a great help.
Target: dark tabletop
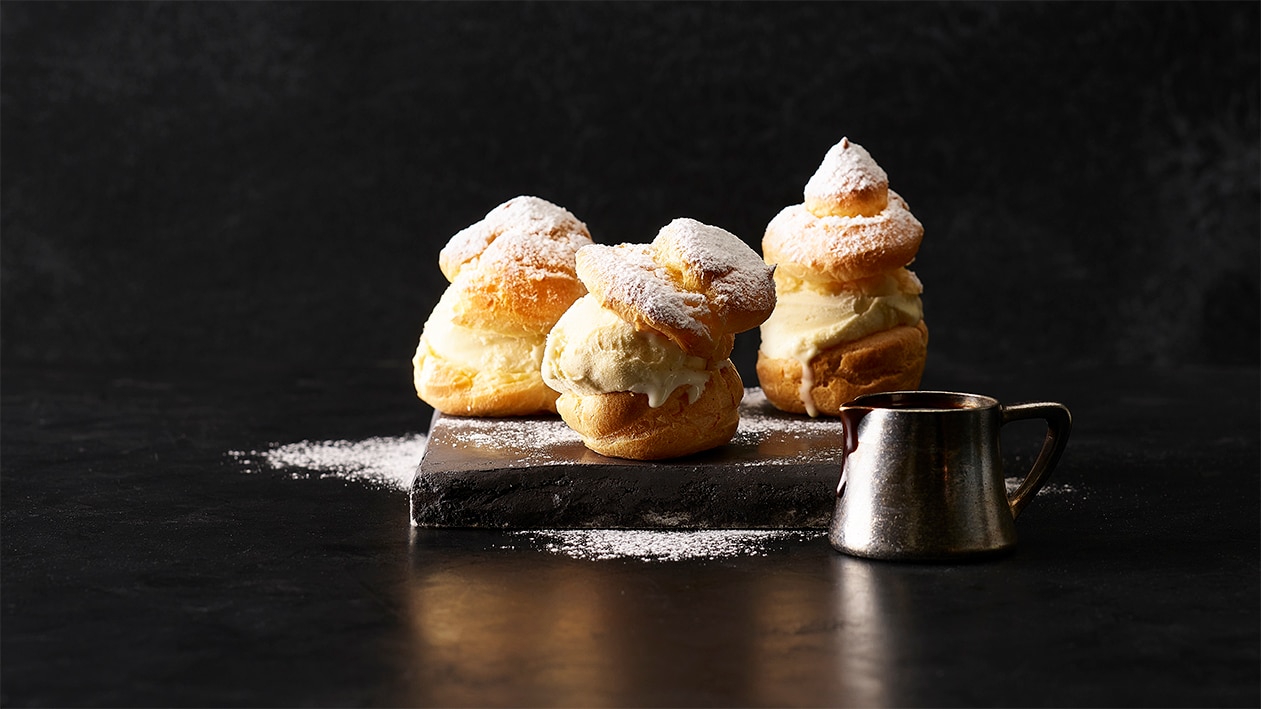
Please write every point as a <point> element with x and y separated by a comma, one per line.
<point>144,565</point>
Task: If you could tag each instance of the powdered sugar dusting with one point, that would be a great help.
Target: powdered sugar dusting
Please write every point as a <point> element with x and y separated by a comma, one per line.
<point>847,248</point>
<point>391,461</point>
<point>693,279</point>
<point>659,545</point>
<point>1050,489</point>
<point>851,225</point>
<point>846,168</point>
<point>627,280</point>
<point>516,443</point>
<point>735,275</point>
<point>765,437</point>
<point>387,461</point>
<point>522,232</point>
<point>760,421</point>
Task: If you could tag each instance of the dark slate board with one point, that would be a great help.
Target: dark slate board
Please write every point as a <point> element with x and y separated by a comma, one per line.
<point>779,472</point>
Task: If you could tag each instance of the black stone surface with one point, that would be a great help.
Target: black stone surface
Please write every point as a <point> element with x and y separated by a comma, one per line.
<point>778,472</point>
<point>144,566</point>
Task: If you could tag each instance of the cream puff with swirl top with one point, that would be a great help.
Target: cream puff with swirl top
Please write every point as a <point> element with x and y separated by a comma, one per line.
<point>512,274</point>
<point>849,319</point>
<point>642,362</point>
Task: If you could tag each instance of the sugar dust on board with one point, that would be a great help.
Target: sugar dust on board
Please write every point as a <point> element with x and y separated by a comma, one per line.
<point>383,461</point>
<point>390,462</point>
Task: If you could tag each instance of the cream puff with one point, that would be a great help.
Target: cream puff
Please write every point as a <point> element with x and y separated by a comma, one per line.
<point>512,275</point>
<point>849,318</point>
<point>642,362</point>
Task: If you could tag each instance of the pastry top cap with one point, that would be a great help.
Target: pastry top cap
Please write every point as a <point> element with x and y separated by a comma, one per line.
<point>696,284</point>
<point>516,267</point>
<point>848,183</point>
<point>851,225</point>
<point>526,230</point>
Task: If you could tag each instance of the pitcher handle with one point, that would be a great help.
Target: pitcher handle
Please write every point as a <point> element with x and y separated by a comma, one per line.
<point>1059,423</point>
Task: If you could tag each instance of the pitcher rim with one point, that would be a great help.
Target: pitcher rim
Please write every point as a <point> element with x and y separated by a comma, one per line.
<point>975,402</point>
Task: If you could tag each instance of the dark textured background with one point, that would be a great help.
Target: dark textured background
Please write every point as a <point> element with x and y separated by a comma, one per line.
<point>218,230</point>
<point>206,184</point>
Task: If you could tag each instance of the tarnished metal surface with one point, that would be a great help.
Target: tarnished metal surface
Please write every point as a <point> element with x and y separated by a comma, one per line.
<point>923,475</point>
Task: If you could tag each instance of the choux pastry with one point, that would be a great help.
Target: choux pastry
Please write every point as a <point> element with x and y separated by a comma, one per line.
<point>512,275</point>
<point>642,361</point>
<point>849,318</point>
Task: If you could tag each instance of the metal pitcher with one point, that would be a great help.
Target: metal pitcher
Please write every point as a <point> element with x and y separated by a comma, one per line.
<point>922,477</point>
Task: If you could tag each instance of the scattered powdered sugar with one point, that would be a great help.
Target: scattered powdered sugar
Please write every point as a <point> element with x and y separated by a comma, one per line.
<point>754,422</point>
<point>385,461</point>
<point>759,421</point>
<point>660,545</point>
<point>512,433</point>
<point>516,442</point>
<point>1048,489</point>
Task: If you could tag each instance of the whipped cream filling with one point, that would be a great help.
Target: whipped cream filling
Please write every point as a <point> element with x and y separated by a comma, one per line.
<point>592,350</point>
<point>807,320</point>
<point>516,354</point>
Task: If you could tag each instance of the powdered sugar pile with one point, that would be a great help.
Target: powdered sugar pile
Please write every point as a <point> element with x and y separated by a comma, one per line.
<point>384,461</point>
<point>657,545</point>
